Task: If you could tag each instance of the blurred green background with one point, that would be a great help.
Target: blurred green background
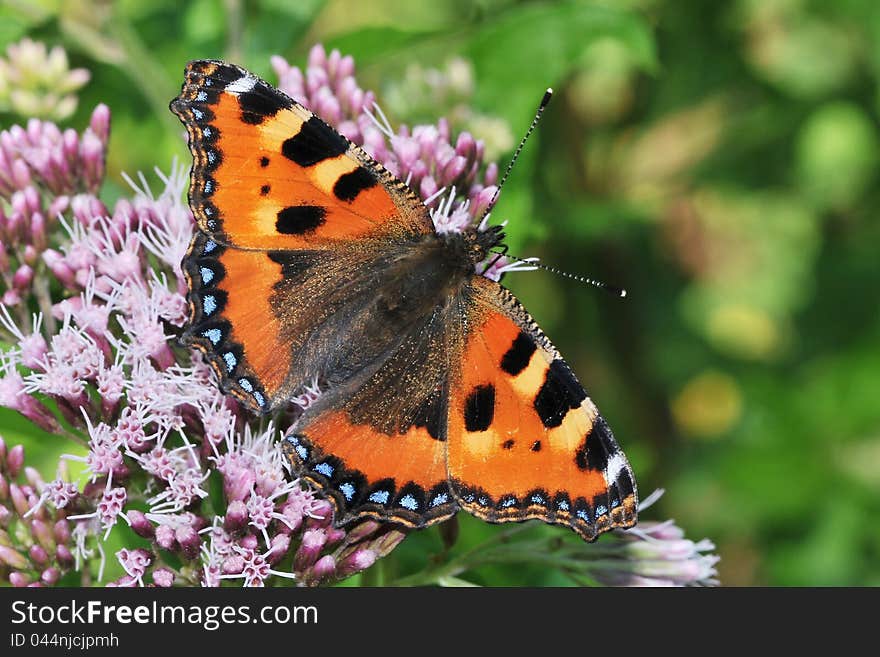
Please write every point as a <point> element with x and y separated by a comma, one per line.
<point>717,159</point>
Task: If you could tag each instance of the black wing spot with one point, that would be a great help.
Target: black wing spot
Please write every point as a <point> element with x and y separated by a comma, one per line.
<point>479,408</point>
<point>264,190</point>
<point>353,183</point>
<point>536,446</point>
<point>625,484</point>
<point>559,393</point>
<point>597,447</point>
<point>517,358</point>
<point>315,142</point>
<point>260,104</point>
<point>300,219</point>
<point>264,161</point>
<point>508,444</point>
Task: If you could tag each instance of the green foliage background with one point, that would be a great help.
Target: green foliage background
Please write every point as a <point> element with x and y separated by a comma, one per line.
<point>718,160</point>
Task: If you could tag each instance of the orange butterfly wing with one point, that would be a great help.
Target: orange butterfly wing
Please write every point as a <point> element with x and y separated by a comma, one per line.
<point>268,174</point>
<point>524,440</point>
<point>270,184</point>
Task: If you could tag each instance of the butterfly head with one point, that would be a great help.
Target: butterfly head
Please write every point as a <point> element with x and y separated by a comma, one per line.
<point>474,244</point>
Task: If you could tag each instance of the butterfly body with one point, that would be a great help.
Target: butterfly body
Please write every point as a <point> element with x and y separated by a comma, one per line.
<point>439,391</point>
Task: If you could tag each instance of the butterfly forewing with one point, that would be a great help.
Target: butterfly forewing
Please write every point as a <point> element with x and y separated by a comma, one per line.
<point>269,174</point>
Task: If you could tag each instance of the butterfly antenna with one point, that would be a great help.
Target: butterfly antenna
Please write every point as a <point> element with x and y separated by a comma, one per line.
<point>610,289</point>
<point>544,102</point>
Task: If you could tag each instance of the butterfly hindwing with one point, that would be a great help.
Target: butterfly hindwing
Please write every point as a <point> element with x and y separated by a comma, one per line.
<point>269,174</point>
<point>523,439</point>
<point>377,444</point>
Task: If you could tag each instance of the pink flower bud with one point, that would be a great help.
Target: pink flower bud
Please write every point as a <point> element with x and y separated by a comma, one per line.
<point>238,483</point>
<point>23,276</point>
<point>165,537</point>
<point>50,576</point>
<point>38,235</point>
<point>359,560</point>
<point>43,534</point>
<point>140,524</point>
<point>236,518</point>
<point>19,499</point>
<point>362,530</point>
<point>279,546</point>
<point>64,557</point>
<point>100,122</point>
<point>324,567</point>
<point>310,547</point>
<point>61,530</point>
<point>189,540</point>
<point>233,565</point>
<point>59,268</point>
<point>14,460</point>
<point>12,558</point>
<point>249,542</point>
<point>163,577</point>
<point>334,536</point>
<point>38,555</point>
<point>19,580</point>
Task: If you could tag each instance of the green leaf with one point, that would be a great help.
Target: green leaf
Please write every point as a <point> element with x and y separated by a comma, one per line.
<point>535,46</point>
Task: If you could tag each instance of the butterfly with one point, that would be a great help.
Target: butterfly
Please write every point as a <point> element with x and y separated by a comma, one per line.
<point>312,262</point>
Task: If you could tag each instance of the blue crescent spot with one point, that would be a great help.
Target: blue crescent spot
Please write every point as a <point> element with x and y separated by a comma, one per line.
<point>212,225</point>
<point>292,439</point>
<point>379,497</point>
<point>510,501</point>
<point>347,490</point>
<point>440,498</point>
<point>302,452</point>
<point>483,501</point>
<point>583,515</point>
<point>231,361</point>
<point>212,156</point>
<point>214,335</point>
<point>247,385</point>
<point>209,304</point>
<point>206,132</point>
<point>198,113</point>
<point>207,275</point>
<point>261,401</point>
<point>562,505</point>
<point>601,510</point>
<point>210,245</point>
<point>325,469</point>
<point>408,502</point>
<point>201,96</point>
<point>208,210</point>
<point>538,499</point>
<point>615,503</point>
<point>209,186</point>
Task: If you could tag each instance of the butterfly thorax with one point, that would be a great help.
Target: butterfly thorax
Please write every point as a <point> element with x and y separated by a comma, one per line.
<point>436,267</point>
